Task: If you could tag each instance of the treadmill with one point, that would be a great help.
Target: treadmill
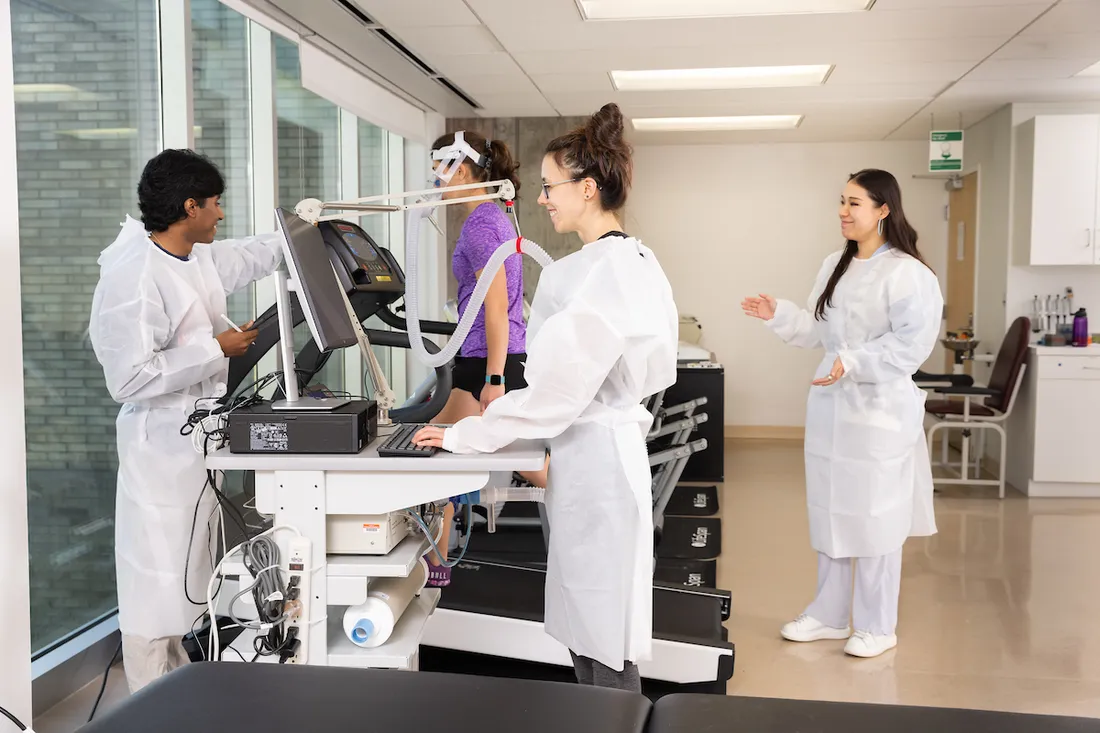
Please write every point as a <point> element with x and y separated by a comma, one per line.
<point>495,615</point>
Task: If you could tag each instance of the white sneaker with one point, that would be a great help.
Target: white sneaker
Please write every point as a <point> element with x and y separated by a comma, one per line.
<point>805,628</point>
<point>866,645</point>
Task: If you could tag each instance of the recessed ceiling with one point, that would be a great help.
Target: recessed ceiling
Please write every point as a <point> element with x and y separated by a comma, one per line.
<point>894,66</point>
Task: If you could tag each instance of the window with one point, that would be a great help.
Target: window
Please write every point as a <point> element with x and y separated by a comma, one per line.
<point>87,118</point>
<point>308,138</point>
<point>222,120</point>
<point>373,168</point>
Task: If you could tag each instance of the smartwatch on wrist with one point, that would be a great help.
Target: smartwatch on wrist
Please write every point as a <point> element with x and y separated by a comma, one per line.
<point>494,379</point>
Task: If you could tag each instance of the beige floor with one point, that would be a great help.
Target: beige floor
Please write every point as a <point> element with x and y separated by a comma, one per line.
<point>1000,610</point>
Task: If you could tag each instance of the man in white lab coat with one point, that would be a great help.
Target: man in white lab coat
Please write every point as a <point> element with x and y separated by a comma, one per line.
<point>158,329</point>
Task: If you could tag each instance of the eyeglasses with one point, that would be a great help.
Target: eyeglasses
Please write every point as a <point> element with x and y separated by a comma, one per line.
<point>547,186</point>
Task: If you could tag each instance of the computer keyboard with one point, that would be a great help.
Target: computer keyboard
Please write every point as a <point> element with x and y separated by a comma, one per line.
<point>400,445</point>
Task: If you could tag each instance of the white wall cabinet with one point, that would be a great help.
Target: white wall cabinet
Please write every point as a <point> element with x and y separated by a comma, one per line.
<point>1057,196</point>
<point>1055,426</point>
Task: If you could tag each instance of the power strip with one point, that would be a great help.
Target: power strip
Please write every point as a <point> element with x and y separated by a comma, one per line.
<point>300,569</point>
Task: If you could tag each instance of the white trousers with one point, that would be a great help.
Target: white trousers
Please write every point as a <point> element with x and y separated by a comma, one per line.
<point>147,660</point>
<point>877,588</point>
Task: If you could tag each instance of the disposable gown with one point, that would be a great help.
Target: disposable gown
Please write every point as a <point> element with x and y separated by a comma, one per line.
<point>868,475</point>
<point>153,326</point>
<point>601,337</point>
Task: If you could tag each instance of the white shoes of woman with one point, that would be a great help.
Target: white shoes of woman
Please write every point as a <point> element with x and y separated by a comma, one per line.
<point>866,645</point>
<point>860,644</point>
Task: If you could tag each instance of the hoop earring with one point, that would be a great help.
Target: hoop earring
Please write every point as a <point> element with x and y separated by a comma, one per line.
<point>880,227</point>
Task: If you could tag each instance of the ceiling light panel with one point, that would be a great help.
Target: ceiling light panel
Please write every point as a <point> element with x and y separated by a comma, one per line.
<point>712,124</point>
<point>666,9</point>
<point>743,77</point>
<point>1093,70</point>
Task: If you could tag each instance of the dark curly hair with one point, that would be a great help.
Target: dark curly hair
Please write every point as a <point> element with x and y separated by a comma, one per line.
<point>169,179</point>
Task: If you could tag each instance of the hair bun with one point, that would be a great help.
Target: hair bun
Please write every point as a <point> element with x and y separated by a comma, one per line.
<point>605,128</point>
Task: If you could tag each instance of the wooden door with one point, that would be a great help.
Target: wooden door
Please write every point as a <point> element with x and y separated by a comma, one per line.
<point>961,260</point>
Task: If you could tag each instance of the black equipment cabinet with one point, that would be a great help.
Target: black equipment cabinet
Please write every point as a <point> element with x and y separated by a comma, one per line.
<point>703,379</point>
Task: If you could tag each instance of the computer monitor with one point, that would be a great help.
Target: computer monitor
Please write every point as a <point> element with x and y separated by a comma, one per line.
<point>307,259</point>
<point>321,297</point>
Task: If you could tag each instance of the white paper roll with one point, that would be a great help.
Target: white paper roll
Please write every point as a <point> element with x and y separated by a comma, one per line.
<point>371,624</point>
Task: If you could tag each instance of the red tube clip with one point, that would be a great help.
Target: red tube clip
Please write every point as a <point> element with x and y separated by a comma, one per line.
<point>518,241</point>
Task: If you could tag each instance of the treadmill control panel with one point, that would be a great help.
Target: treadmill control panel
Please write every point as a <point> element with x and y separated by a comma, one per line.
<point>361,264</point>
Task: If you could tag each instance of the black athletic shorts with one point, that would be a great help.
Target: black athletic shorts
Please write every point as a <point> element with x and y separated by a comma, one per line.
<point>469,373</point>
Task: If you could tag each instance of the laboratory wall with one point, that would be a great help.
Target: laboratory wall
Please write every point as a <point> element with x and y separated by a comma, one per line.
<point>736,220</point>
<point>989,152</point>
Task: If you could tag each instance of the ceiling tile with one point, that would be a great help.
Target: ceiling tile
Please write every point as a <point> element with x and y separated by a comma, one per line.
<point>864,73</point>
<point>472,64</point>
<point>762,53</point>
<point>1009,69</point>
<point>1052,46</point>
<point>446,41</point>
<point>576,82</point>
<point>1066,17</point>
<point>537,29</point>
<point>515,105</point>
<point>418,13</point>
<point>478,84</point>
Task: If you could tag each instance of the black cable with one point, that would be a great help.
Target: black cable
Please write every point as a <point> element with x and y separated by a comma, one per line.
<point>12,718</point>
<point>103,687</point>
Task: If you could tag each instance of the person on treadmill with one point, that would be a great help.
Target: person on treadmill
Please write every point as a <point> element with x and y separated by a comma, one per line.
<point>602,337</point>
<point>491,360</point>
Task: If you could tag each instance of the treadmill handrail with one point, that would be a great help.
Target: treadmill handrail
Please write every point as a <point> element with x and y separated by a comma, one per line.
<point>687,423</point>
<point>439,328</point>
<point>680,451</point>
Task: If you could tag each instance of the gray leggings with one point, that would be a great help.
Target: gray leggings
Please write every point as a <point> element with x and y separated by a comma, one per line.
<point>591,672</point>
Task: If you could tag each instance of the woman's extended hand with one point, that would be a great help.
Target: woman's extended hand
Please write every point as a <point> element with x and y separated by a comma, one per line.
<point>833,376</point>
<point>762,307</point>
<point>429,436</point>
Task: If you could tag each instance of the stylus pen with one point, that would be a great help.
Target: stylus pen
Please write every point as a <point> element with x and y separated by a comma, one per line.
<point>231,323</point>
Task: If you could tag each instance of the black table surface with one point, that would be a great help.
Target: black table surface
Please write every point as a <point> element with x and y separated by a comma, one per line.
<point>718,714</point>
<point>261,698</point>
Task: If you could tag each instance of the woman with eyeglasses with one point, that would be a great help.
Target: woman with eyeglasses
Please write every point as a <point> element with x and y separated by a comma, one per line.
<point>602,336</point>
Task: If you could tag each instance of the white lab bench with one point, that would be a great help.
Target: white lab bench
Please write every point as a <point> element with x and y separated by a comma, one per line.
<point>1054,433</point>
<point>302,490</point>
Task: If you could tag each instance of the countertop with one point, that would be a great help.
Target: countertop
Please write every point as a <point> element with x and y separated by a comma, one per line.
<point>1093,350</point>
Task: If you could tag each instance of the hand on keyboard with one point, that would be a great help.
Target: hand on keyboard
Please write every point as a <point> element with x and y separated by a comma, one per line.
<point>400,444</point>
<point>429,436</point>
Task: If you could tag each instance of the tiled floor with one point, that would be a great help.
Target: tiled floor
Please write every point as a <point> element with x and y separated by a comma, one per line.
<point>1000,610</point>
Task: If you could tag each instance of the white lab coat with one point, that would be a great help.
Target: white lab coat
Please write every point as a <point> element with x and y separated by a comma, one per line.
<point>868,476</point>
<point>602,337</point>
<point>153,326</point>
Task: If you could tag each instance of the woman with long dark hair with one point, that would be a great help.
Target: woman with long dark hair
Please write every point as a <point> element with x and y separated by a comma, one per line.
<point>876,310</point>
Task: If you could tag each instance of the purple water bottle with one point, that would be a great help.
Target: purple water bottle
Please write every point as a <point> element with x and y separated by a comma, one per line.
<point>1080,328</point>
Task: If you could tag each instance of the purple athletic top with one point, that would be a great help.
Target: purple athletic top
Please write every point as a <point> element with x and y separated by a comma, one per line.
<point>486,228</point>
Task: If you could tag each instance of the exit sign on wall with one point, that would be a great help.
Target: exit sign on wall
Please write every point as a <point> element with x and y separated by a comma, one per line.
<point>945,151</point>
